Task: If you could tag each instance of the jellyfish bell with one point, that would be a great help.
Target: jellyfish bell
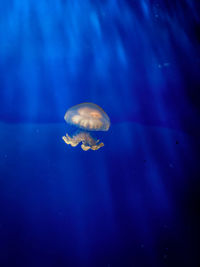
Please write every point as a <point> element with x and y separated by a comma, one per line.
<point>87,118</point>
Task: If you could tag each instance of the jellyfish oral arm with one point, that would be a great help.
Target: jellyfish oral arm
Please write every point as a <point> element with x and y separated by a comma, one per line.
<point>94,147</point>
<point>70,141</point>
<point>85,138</point>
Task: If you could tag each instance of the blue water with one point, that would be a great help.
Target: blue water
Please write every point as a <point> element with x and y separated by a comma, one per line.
<point>133,202</point>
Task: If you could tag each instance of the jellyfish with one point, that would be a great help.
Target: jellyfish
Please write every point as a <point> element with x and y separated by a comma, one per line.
<point>86,118</point>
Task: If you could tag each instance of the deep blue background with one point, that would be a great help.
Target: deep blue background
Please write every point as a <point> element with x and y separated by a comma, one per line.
<point>135,201</point>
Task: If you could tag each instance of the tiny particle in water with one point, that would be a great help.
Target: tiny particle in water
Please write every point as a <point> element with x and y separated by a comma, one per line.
<point>177,142</point>
<point>163,65</point>
<point>166,64</point>
<point>165,256</point>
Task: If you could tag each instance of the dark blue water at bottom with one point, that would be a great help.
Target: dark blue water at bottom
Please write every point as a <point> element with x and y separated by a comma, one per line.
<point>131,203</point>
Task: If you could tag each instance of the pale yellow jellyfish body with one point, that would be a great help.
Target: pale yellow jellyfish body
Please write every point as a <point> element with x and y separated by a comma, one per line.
<point>86,117</point>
